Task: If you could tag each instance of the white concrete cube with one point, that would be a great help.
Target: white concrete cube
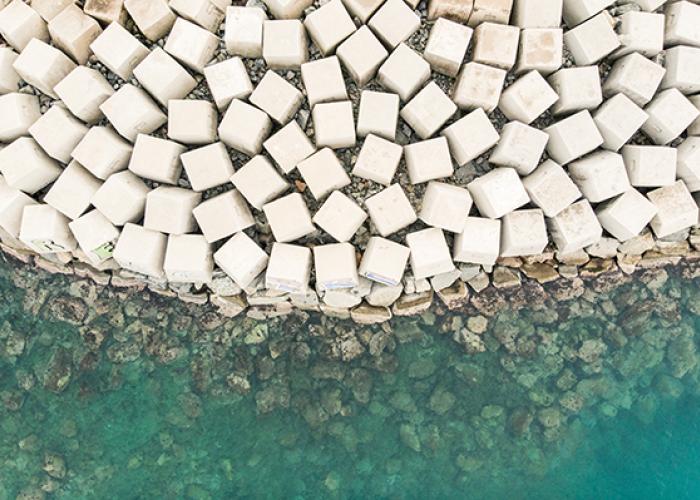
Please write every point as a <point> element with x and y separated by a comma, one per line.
<point>688,165</point>
<point>26,167</point>
<point>207,167</point>
<point>83,90</point>
<point>241,259</point>
<point>541,49</point>
<point>676,209</point>
<point>47,9</point>
<point>9,79</point>
<point>214,227</point>
<point>670,114</point>
<point>289,268</point>
<point>244,128</point>
<point>627,215</point>
<point>131,112</point>
<point>457,10</point>
<point>106,11</point>
<point>287,9</point>
<point>497,11</point>
<point>102,152</point>
<point>527,98</point>
<point>277,97</point>
<point>479,242</point>
<point>640,32</point>
<point>478,86</point>
<point>323,80</point>
<point>592,40</point>
<point>498,192</point>
<point>390,210</point>
<point>329,25</point>
<point>73,190</point>
<point>188,259</point>
<point>428,160</point>
<point>378,114</point>
<point>18,112</point>
<point>682,21</point>
<point>430,254</point>
<point>259,182</point>
<point>340,217</point>
<point>244,31</point>
<point>575,227</point>
<point>192,45</point>
<point>537,13</point>
<point>43,66</point>
<point>650,166</point>
<point>694,128</point>
<point>334,124</point>
<point>428,111</point>
<point>577,11</point>
<point>618,119</point>
<point>362,9</point>
<point>362,54</point>
<point>12,203</point>
<point>471,136</point>
<point>550,188</point>
<point>323,172</point>
<point>96,236</point>
<point>649,5</point>
<point>578,88</point>
<point>445,206</point>
<point>496,45</point>
<point>58,133</point>
<point>228,80</point>
<point>336,267</point>
<point>289,146</point>
<point>156,159</point>
<point>378,160</point>
<point>19,24</point>
<point>523,233</point>
<point>573,137</point>
<point>192,121</point>
<point>141,250</point>
<point>447,46</point>
<point>154,18</point>
<point>122,198</point>
<point>600,176</point>
<point>289,218</point>
<point>163,77</point>
<point>119,50</point>
<point>394,22</point>
<point>682,70</point>
<point>45,230</point>
<point>520,147</point>
<point>635,76</point>
<point>205,13</point>
<point>73,32</point>
<point>384,261</point>
<point>404,72</point>
<point>284,44</point>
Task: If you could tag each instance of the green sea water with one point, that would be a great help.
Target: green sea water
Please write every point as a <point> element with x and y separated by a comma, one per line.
<point>435,424</point>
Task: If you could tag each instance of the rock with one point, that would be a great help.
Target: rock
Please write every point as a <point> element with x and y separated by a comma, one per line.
<point>543,273</point>
<point>383,295</point>
<point>550,418</point>
<point>479,282</point>
<point>257,334</point>
<point>413,304</point>
<point>224,286</point>
<point>519,421</point>
<point>341,299</point>
<point>577,258</point>
<point>442,401</point>
<point>468,271</point>
<point>351,348</point>
<point>58,371</point>
<point>444,280</point>
<point>272,397</point>
<point>672,247</point>
<point>124,352</point>
<point>628,263</point>
<point>54,465</point>
<point>31,493</point>
<point>14,345</point>
<point>604,248</point>
<point>409,437</point>
<point>591,350</point>
<point>379,342</point>
<point>596,267</point>
<point>69,309</point>
<point>638,245</point>
<point>567,271</point>
<point>454,296</point>
<point>478,324</point>
<point>229,306</point>
<point>681,356</point>
<point>504,277</point>
<point>335,312</point>
<point>472,342</point>
<point>369,315</point>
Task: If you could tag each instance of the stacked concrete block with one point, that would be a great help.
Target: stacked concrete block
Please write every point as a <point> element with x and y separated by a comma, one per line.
<point>496,45</point>
<point>259,182</point>
<point>573,137</point>
<point>540,49</point>
<point>378,160</point>
<point>96,236</point>
<point>323,80</point>
<point>537,13</point>
<point>18,112</point>
<point>163,77</point>
<point>640,32</point>
<point>58,133</point>
<point>122,198</point>
<point>289,146</point>
<point>627,215</point>
<point>682,21</point>
<point>83,91</point>
<point>523,233</point>
<point>207,167</point>
<point>336,267</point>
<point>497,11</point>
<point>228,80</point>
<point>470,136</point>
<point>106,11</point>
<point>284,44</point>
<point>188,259</point>
<point>600,176</point>
<point>289,268</point>
<point>635,76</point>
<point>329,25</point>
<point>131,112</point>
<point>277,97</point>
<point>527,98</point>
<point>244,31</point>
<point>447,46</point>
<point>9,79</point>
<point>404,72</point>
<point>384,261</point>
<point>205,13</point>
<point>19,24</point>
<point>676,209</point>
<point>428,160</point>
<point>26,167</point>
<point>73,32</point>
<point>340,217</point>
<point>682,71</point>
<point>428,111</point>
<point>362,9</point>
<point>241,259</point>
<point>457,10</point>
<point>47,9</point>
<point>694,128</point>
<point>244,128</point>
<point>394,22</point>
<point>119,50</point>
<point>282,9</point>
<point>688,165</point>
<point>618,119</point>
<point>578,88</point>
<point>141,250</point>
<point>45,230</point>
<point>192,45</point>
<point>479,242</point>
<point>592,40</point>
<point>362,54</point>
<point>577,11</point>
<point>12,203</point>
<point>214,227</point>
<point>289,218</point>
<point>498,192</point>
<point>323,172</point>
<point>575,227</point>
<point>154,18</point>
<point>478,86</point>
<point>650,166</point>
<point>390,210</point>
<point>649,5</point>
<point>156,159</point>
<point>430,254</point>
<point>445,206</point>
<point>43,66</point>
<point>102,152</point>
<point>670,114</point>
<point>334,124</point>
<point>519,147</point>
<point>73,191</point>
<point>550,188</point>
<point>192,121</point>
<point>378,114</point>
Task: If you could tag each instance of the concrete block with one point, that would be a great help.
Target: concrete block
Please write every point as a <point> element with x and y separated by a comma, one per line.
<point>244,128</point>
<point>676,209</point>
<point>378,114</point>
<point>384,261</point>
<point>329,25</point>
<point>163,77</point>
<point>73,190</point>
<point>649,5</point>
<point>244,31</point>
<point>394,22</point>
<point>498,192</point>
<point>45,230</point>
<point>157,159</point>
<point>12,203</point>
<point>122,198</point>
<point>192,45</point>
<point>289,146</point>
<point>282,9</point>
<point>228,80</point>
<point>340,217</point>
<point>479,242</point>
<point>575,227</point>
<point>213,226</point>
<point>289,218</point>
<point>188,259</point>
<point>9,79</point>
<point>378,160</point>
<point>205,13</point>
<point>478,86</point>
<point>43,66</point>
<point>670,114</point>
<point>362,54</point>
<point>154,18</point>
<point>102,152</point>
<point>336,267</point>
<point>323,172</point>
<point>277,97</point>
<point>471,136</point>
<point>26,167</point>
<point>58,133</point>
<point>600,176</point>
<point>18,112</point>
<point>496,45</point>
<point>430,254</point>
<point>428,111</point>
<point>323,80</point>
<point>541,49</point>
<point>650,166</point>
<point>447,46</point>
<point>362,9</point>
<point>682,24</point>
<point>635,76</point>
<point>284,44</point>
<point>83,90</point>
<point>457,10</point>
<point>688,165</point>
<point>96,236</point>
<point>519,147</point>
<point>497,11</point>
<point>141,250</point>
<point>73,32</point>
<point>192,121</point>
<point>627,215</point>
<point>537,13</point>
<point>334,124</point>
<point>207,167</point>
<point>578,88</point>
<point>592,40</point>
<point>523,233</point>
<point>404,72</point>
<point>47,9</point>
<point>428,160</point>
<point>131,112</point>
<point>445,206</point>
<point>527,98</point>
<point>119,50</point>
<point>550,188</point>
<point>640,32</point>
<point>573,137</point>
<point>390,210</point>
<point>577,11</point>
<point>618,119</point>
<point>694,128</point>
<point>241,259</point>
<point>259,182</point>
<point>106,11</point>
<point>289,268</point>
<point>19,24</point>
<point>682,69</point>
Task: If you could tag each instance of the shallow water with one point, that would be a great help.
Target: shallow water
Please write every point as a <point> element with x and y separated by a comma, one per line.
<point>433,422</point>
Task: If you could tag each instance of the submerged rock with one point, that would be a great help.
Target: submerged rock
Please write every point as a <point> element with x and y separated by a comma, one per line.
<point>58,372</point>
<point>54,465</point>
<point>409,437</point>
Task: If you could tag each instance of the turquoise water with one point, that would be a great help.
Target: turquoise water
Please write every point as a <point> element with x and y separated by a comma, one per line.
<point>425,421</point>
